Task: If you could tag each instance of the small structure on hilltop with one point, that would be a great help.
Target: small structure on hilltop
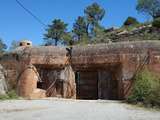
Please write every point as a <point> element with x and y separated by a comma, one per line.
<point>25,43</point>
<point>102,71</point>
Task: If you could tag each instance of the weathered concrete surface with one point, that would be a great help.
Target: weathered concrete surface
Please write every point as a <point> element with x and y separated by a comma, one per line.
<point>73,110</point>
<point>134,52</point>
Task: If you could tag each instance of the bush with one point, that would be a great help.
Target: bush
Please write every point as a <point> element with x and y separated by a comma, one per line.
<point>10,95</point>
<point>130,21</point>
<point>156,23</point>
<point>146,89</point>
<point>4,97</point>
<point>154,97</point>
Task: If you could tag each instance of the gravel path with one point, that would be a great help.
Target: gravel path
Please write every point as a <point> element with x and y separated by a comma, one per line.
<point>54,109</point>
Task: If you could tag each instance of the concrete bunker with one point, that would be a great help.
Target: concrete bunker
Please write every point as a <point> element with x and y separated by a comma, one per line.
<point>102,71</point>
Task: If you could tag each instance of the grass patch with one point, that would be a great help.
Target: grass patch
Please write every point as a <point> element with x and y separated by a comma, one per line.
<point>10,95</point>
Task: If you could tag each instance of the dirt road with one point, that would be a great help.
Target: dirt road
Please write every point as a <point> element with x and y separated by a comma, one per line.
<point>55,109</point>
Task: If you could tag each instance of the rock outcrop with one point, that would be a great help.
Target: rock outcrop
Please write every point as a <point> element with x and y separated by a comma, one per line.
<point>3,84</point>
<point>143,32</point>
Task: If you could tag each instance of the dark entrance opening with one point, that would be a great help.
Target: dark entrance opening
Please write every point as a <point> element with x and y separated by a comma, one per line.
<point>108,85</point>
<point>87,84</point>
<point>49,81</point>
<point>100,83</point>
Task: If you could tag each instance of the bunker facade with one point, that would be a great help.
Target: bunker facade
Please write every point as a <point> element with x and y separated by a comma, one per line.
<point>101,71</point>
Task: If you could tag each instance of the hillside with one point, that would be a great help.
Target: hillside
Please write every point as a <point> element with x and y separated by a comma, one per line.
<point>130,33</point>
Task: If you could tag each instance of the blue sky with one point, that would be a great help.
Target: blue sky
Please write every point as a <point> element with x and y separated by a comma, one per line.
<point>17,24</point>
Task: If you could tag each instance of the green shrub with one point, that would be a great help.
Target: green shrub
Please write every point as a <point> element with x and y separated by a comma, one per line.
<point>156,23</point>
<point>130,21</point>
<point>145,89</point>
<point>154,97</point>
<point>4,97</point>
<point>10,95</point>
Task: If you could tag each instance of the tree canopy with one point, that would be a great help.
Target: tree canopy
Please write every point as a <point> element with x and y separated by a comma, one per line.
<point>80,28</point>
<point>14,44</point>
<point>94,13</point>
<point>150,7</point>
<point>130,21</point>
<point>56,31</point>
<point>84,28</point>
<point>3,47</point>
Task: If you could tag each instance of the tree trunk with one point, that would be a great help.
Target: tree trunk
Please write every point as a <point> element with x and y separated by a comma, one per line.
<point>56,42</point>
<point>87,29</point>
